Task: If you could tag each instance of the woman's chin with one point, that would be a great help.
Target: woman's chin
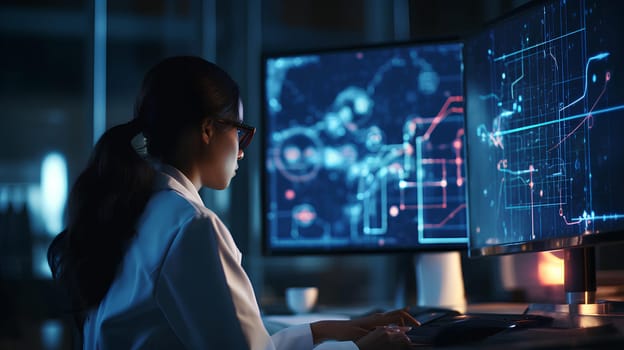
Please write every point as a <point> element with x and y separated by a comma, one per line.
<point>219,185</point>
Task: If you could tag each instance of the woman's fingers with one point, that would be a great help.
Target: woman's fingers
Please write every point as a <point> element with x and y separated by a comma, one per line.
<point>401,317</point>
<point>397,333</point>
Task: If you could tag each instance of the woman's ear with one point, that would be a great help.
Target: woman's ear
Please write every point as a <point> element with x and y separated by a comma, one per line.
<point>207,131</point>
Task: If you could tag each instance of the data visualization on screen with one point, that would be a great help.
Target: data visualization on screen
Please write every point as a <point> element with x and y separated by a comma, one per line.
<point>544,129</point>
<point>364,149</point>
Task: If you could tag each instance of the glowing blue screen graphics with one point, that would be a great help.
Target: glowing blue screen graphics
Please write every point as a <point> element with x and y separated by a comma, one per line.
<point>365,149</point>
<point>545,115</point>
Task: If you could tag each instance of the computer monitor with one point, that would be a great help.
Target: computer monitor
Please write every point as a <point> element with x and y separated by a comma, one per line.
<point>364,153</point>
<point>364,149</point>
<point>544,120</point>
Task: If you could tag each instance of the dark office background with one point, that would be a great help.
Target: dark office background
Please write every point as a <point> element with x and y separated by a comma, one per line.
<point>71,68</point>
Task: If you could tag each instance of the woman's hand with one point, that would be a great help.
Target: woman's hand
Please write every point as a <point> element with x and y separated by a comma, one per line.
<point>388,337</point>
<point>360,328</point>
<point>400,317</point>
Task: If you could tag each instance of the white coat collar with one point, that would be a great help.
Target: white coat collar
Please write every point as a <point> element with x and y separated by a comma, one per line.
<point>170,177</point>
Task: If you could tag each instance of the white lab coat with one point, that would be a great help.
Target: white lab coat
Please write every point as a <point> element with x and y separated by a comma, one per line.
<point>175,290</point>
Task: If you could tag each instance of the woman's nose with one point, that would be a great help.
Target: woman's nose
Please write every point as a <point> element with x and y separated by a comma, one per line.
<point>241,154</point>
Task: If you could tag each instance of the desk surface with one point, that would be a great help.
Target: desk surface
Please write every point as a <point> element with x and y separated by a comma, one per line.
<point>595,332</point>
<point>276,321</point>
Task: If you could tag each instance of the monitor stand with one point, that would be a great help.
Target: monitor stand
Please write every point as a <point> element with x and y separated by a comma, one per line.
<point>439,280</point>
<point>580,287</point>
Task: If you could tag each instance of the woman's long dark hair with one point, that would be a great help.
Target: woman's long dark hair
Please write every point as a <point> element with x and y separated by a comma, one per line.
<point>111,192</point>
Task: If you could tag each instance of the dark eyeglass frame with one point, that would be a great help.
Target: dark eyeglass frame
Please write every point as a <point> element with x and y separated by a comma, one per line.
<point>245,131</point>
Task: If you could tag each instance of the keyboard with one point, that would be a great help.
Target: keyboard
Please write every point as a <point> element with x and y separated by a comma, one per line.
<point>446,327</point>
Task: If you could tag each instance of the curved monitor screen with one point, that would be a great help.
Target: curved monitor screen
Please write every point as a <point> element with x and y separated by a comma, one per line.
<point>544,122</point>
<point>364,149</point>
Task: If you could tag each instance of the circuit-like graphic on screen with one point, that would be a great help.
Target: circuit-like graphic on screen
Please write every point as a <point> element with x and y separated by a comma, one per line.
<point>544,121</point>
<point>365,148</point>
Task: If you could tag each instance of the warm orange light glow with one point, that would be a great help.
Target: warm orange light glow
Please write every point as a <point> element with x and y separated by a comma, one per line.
<point>549,269</point>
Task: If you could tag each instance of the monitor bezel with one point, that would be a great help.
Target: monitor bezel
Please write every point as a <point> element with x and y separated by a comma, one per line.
<point>267,249</point>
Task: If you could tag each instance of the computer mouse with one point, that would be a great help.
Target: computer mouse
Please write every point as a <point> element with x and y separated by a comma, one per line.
<point>469,330</point>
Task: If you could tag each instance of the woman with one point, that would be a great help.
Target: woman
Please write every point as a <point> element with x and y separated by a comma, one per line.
<point>146,264</point>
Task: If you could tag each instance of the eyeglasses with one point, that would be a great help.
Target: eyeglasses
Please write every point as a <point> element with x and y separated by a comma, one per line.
<point>245,131</point>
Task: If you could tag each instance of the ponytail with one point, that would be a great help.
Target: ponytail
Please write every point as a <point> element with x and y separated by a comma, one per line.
<point>103,207</point>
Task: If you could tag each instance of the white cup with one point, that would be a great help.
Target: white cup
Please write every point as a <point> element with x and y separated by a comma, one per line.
<point>301,299</point>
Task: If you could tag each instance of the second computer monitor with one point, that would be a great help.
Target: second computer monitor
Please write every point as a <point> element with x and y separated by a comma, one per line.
<point>545,114</point>
<point>364,149</point>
